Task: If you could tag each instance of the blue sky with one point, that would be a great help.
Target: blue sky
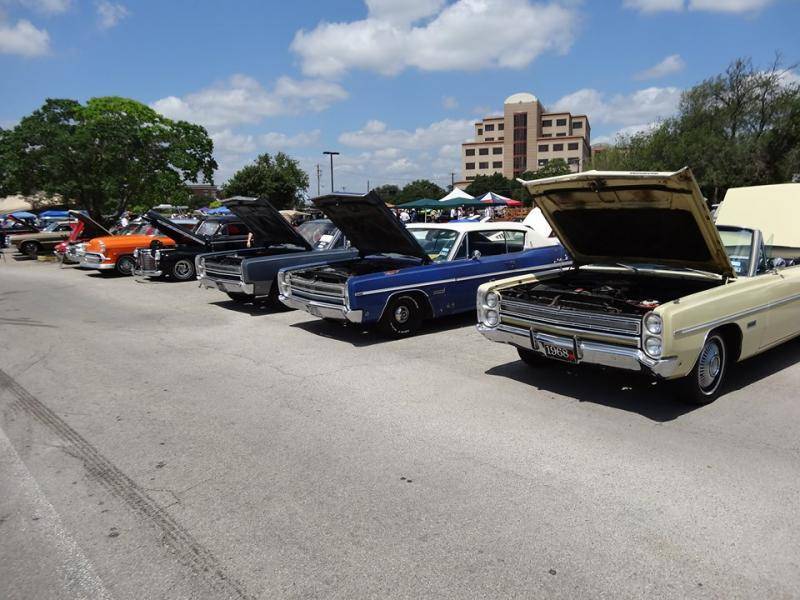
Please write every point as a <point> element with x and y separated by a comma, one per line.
<point>394,85</point>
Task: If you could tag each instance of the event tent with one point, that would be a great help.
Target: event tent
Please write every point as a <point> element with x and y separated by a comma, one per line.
<point>498,200</point>
<point>456,193</point>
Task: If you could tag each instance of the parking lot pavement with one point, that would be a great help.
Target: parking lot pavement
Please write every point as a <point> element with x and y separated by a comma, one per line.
<point>177,445</point>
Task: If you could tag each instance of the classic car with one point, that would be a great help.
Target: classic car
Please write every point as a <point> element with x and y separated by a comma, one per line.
<point>250,273</point>
<point>32,244</point>
<point>655,286</point>
<point>11,225</point>
<point>86,228</point>
<point>403,275</point>
<point>218,232</point>
<point>114,253</point>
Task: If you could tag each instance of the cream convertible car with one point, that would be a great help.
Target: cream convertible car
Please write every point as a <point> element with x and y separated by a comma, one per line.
<point>655,286</point>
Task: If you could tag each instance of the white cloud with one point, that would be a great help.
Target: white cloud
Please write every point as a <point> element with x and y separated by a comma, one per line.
<point>280,141</point>
<point>375,134</point>
<point>23,39</point>
<point>671,64</point>
<point>228,142</point>
<point>109,14</point>
<point>449,102</point>
<point>465,35</point>
<point>47,7</point>
<point>624,132</point>
<point>642,106</point>
<point>242,99</point>
<point>727,6</point>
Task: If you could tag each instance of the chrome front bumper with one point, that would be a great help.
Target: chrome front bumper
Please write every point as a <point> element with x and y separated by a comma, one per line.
<point>95,261</point>
<point>147,272</point>
<point>322,309</point>
<point>225,285</point>
<point>595,353</point>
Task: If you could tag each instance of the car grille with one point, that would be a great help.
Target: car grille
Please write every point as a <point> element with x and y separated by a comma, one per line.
<point>535,314</point>
<point>147,262</point>
<point>317,291</point>
<point>93,258</point>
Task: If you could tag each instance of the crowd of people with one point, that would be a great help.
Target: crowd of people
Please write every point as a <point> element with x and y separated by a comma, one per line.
<point>443,215</point>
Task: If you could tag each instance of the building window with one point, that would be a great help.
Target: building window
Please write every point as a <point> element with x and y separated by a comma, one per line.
<point>488,139</point>
<point>501,126</point>
<point>572,146</point>
<point>577,124</point>
<point>543,162</point>
<point>483,151</point>
<point>547,135</point>
<point>470,152</point>
<point>520,134</point>
<point>470,177</point>
<point>543,147</point>
<point>480,131</point>
<point>483,165</point>
<point>500,139</point>
<point>558,147</point>
<point>520,119</point>
<point>519,165</point>
<point>470,166</point>
<point>561,135</point>
<point>520,144</point>
<point>488,127</point>
<point>497,150</point>
<point>547,123</point>
<point>573,160</point>
<point>498,164</point>
<point>561,122</point>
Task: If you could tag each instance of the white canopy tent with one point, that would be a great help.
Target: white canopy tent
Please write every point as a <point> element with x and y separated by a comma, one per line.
<point>456,193</point>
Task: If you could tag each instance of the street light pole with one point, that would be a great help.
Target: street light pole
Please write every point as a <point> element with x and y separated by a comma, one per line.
<point>331,154</point>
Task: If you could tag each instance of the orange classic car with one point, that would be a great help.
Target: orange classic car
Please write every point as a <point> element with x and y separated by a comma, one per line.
<point>115,252</point>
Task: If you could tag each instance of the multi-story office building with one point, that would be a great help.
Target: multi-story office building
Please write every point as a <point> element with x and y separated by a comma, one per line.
<point>525,138</point>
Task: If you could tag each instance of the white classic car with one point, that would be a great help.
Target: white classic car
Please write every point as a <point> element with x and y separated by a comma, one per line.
<point>655,286</point>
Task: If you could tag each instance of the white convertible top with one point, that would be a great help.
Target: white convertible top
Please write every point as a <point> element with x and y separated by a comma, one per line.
<point>533,239</point>
<point>774,209</point>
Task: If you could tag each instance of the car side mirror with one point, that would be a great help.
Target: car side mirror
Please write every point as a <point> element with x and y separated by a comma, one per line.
<point>776,263</point>
<point>476,255</point>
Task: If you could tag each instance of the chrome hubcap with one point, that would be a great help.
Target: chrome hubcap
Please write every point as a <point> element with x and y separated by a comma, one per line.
<point>401,314</point>
<point>710,365</point>
<point>182,269</point>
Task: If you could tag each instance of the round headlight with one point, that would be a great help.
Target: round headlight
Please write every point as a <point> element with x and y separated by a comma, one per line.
<point>492,300</point>
<point>135,253</point>
<point>491,318</point>
<point>653,324</point>
<point>102,246</point>
<point>652,346</point>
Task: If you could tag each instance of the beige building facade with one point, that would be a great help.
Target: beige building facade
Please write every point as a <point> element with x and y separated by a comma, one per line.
<point>525,138</point>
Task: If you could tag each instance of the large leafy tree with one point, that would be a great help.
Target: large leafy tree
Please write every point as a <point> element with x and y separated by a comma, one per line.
<point>388,193</point>
<point>739,128</point>
<point>419,189</point>
<point>105,156</point>
<point>279,178</point>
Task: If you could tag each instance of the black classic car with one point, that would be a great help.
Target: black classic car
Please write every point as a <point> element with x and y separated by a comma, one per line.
<point>219,232</point>
<point>11,225</point>
<point>249,274</point>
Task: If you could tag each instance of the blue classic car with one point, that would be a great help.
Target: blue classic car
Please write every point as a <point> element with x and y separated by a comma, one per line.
<point>250,273</point>
<point>403,275</point>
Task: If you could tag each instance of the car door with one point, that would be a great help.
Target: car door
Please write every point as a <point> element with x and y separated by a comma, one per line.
<point>492,261</point>
<point>781,290</point>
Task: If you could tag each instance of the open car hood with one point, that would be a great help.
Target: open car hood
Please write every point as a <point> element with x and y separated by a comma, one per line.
<point>369,226</point>
<point>91,228</point>
<point>267,224</point>
<point>27,226</point>
<point>639,217</point>
<point>174,231</point>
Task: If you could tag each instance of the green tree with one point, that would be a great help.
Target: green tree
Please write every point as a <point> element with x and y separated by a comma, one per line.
<point>279,178</point>
<point>105,156</point>
<point>739,128</point>
<point>492,183</point>
<point>419,189</point>
<point>388,193</point>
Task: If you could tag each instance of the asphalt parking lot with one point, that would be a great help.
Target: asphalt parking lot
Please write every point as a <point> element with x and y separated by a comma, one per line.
<point>159,441</point>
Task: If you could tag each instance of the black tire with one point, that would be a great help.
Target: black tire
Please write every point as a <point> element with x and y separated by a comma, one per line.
<point>402,317</point>
<point>183,270</point>
<point>30,249</point>
<point>125,265</point>
<point>239,297</point>
<point>532,358</point>
<point>704,384</point>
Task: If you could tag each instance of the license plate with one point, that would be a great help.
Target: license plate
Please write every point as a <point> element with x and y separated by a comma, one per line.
<point>314,310</point>
<point>559,353</point>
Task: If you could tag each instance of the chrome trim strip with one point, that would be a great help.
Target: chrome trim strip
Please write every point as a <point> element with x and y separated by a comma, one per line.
<point>735,316</point>
<point>542,270</point>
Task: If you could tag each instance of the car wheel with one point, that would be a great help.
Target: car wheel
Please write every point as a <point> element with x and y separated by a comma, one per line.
<point>703,385</point>
<point>125,265</point>
<point>402,317</point>
<point>239,297</point>
<point>532,358</point>
<point>183,270</point>
<point>30,249</point>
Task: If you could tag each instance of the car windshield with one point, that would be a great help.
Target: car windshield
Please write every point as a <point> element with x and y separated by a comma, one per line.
<point>208,228</point>
<point>52,226</point>
<point>739,247</point>
<point>437,243</point>
<point>319,234</point>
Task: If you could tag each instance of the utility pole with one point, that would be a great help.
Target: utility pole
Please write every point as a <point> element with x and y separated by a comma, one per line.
<point>452,180</point>
<point>319,174</point>
<point>331,154</point>
<point>368,186</point>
